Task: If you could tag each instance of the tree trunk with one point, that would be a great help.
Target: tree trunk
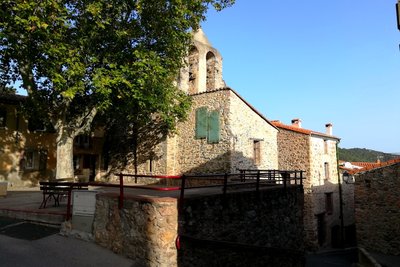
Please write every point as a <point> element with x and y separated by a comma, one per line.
<point>65,145</point>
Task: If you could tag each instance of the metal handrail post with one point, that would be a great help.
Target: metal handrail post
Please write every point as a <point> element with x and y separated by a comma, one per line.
<point>225,183</point>
<point>258,181</point>
<point>182,195</point>
<point>285,179</point>
<point>301,177</point>
<point>69,202</point>
<point>121,191</point>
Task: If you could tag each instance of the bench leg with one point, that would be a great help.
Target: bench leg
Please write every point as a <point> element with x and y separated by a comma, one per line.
<point>44,201</point>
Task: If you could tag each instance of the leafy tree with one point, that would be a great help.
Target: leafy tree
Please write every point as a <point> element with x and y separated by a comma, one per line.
<point>80,58</point>
<point>364,155</point>
<point>4,89</point>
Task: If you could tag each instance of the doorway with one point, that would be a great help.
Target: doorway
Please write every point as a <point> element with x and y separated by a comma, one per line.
<point>321,225</point>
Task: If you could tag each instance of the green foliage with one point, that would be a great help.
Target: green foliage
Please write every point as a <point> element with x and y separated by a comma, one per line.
<point>6,89</point>
<point>76,56</point>
<point>364,155</point>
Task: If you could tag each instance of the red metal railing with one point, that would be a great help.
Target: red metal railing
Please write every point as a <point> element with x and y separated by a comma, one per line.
<point>257,178</point>
<point>248,178</point>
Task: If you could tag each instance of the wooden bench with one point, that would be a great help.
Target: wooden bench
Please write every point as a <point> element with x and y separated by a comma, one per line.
<point>57,189</point>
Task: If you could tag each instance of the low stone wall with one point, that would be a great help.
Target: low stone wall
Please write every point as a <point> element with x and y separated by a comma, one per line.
<point>377,209</point>
<point>242,228</point>
<point>144,230</point>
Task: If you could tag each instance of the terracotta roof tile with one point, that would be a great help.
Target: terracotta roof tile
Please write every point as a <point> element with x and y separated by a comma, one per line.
<point>279,124</point>
<point>367,166</point>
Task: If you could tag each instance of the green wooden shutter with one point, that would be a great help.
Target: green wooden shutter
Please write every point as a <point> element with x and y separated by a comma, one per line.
<point>201,123</point>
<point>213,127</point>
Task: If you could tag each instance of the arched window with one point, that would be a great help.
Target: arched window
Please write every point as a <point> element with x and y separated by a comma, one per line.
<point>211,70</point>
<point>193,69</point>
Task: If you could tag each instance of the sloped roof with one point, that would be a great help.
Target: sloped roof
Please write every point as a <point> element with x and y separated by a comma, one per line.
<point>280,125</point>
<point>11,98</point>
<point>368,166</point>
<point>242,99</point>
<point>201,37</point>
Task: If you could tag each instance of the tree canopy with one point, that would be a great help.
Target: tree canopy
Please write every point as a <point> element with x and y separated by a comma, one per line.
<point>77,58</point>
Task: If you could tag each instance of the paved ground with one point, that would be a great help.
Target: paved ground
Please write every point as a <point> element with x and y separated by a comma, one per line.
<point>38,245</point>
<point>337,258</point>
<point>24,243</point>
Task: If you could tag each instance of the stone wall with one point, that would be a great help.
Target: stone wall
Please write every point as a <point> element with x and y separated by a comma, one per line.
<point>197,155</point>
<point>272,219</point>
<point>154,163</point>
<point>239,127</point>
<point>265,229</point>
<point>324,151</point>
<point>294,151</point>
<point>377,209</point>
<point>307,152</point>
<point>144,230</point>
<point>246,126</point>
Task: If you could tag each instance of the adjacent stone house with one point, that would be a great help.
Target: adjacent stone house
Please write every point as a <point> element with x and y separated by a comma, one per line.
<point>28,147</point>
<point>314,153</point>
<point>377,208</point>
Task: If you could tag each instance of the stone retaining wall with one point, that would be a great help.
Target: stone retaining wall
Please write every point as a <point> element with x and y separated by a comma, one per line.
<point>271,219</point>
<point>377,209</point>
<point>146,228</point>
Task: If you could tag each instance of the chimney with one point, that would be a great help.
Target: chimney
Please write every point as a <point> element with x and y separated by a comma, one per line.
<point>328,127</point>
<point>296,123</point>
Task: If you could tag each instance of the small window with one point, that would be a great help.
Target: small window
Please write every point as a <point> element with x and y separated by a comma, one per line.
<point>151,165</point>
<point>257,152</point>
<point>326,146</point>
<point>326,169</point>
<point>3,118</point>
<point>82,141</point>
<point>30,158</point>
<point>329,203</point>
<point>35,159</point>
<point>36,125</point>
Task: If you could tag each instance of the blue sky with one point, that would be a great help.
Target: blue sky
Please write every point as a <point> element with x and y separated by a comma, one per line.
<point>320,61</point>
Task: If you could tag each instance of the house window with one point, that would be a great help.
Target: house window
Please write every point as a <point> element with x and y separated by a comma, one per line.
<point>35,160</point>
<point>326,169</point>
<point>326,146</point>
<point>3,117</point>
<point>257,152</point>
<point>207,125</point>
<point>30,158</point>
<point>329,203</point>
<point>151,165</point>
<point>82,141</point>
<point>35,124</point>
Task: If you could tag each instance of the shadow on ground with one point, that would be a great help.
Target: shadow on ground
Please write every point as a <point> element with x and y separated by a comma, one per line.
<point>25,230</point>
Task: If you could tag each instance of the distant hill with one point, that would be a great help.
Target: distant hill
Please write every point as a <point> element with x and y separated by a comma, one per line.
<point>363,154</point>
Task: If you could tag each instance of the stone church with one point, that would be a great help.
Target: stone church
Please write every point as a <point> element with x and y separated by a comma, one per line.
<point>223,132</point>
